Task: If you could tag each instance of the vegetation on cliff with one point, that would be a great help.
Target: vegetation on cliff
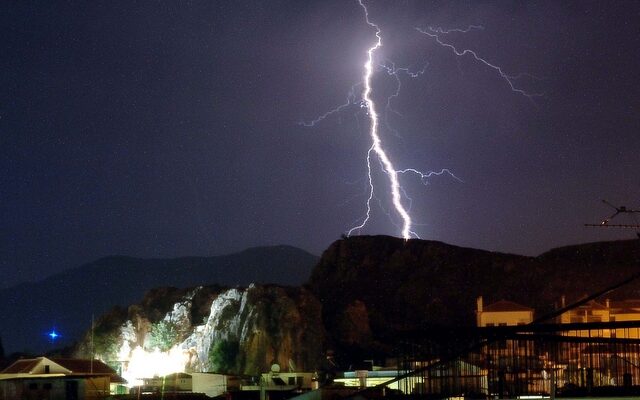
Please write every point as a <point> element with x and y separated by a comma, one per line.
<point>245,331</point>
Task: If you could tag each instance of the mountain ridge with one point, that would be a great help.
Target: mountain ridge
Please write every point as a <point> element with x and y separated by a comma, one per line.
<point>29,310</point>
<point>382,280</point>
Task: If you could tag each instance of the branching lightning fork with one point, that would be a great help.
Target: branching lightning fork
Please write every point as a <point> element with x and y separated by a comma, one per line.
<point>510,79</point>
<point>351,99</point>
<point>377,149</point>
<point>395,72</point>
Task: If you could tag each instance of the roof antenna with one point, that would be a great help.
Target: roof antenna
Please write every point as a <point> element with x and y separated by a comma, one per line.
<point>619,210</point>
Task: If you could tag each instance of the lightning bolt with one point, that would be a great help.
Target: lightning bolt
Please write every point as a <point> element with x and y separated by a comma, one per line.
<point>351,99</point>
<point>445,31</point>
<point>376,146</point>
<point>510,79</point>
<point>376,150</point>
<point>393,71</point>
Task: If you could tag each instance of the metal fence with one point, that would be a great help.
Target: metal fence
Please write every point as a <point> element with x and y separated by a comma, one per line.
<point>506,362</point>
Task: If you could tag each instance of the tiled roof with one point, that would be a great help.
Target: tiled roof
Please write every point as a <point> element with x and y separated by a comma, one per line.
<point>77,366</point>
<point>626,304</point>
<point>21,366</point>
<point>505,305</point>
<point>592,305</point>
<point>178,375</point>
<point>117,379</point>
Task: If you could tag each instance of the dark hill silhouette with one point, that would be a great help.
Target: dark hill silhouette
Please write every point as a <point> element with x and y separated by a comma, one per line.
<point>68,300</point>
<point>374,286</point>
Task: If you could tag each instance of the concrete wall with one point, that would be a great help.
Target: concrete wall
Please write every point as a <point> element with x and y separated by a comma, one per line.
<point>509,318</point>
<point>210,384</point>
<point>54,388</point>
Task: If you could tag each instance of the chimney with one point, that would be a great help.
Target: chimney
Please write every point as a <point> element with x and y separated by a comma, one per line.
<point>563,302</point>
<point>479,304</point>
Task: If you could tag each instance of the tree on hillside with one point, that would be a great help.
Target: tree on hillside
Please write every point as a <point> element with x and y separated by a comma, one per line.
<point>223,355</point>
<point>163,335</point>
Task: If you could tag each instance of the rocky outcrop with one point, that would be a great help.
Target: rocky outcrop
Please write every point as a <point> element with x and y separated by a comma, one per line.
<point>245,331</point>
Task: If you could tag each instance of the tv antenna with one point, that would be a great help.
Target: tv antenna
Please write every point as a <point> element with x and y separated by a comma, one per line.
<point>619,210</point>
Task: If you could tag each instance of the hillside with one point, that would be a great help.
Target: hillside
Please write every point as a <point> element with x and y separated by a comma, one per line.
<point>374,286</point>
<point>362,294</point>
<point>68,300</point>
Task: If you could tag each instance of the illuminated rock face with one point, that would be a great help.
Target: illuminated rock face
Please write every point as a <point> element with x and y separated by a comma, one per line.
<point>267,324</point>
<point>227,312</point>
<point>245,332</point>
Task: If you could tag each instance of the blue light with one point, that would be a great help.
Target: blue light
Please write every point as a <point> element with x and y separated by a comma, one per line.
<point>53,335</point>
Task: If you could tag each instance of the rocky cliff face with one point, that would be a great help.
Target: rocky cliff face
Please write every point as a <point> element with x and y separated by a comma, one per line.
<point>244,332</point>
<point>372,287</point>
<point>406,283</point>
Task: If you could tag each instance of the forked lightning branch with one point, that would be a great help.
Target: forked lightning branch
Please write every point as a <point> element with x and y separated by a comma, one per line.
<point>377,148</point>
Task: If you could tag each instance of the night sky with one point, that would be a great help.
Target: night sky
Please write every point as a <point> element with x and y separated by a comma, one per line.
<point>164,129</point>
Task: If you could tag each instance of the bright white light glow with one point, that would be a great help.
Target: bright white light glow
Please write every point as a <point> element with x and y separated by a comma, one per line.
<point>140,363</point>
<point>376,145</point>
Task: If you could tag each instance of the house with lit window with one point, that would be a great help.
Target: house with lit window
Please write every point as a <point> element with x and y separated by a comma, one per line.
<point>607,311</point>
<point>622,311</point>
<point>58,378</point>
<point>591,311</point>
<point>502,313</point>
<point>276,384</point>
<point>210,384</point>
<point>466,376</point>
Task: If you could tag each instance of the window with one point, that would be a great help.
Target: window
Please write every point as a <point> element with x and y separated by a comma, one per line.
<point>33,386</point>
<point>46,386</point>
<point>292,380</point>
<point>46,369</point>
